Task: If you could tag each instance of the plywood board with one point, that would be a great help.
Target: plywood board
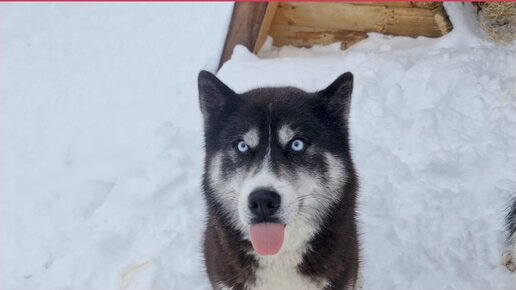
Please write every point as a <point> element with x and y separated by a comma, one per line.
<point>244,27</point>
<point>301,36</point>
<point>409,21</point>
<point>268,18</point>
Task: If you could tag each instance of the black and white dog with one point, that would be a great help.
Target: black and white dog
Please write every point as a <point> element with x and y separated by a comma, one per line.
<point>280,187</point>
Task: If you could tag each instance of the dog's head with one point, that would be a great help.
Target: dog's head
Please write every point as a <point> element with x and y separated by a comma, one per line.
<point>275,156</point>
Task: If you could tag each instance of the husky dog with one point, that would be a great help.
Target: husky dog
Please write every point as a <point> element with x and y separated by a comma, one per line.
<point>509,256</point>
<point>280,187</point>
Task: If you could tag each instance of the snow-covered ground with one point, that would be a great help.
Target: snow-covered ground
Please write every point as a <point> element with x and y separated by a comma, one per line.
<point>101,145</point>
<point>101,149</point>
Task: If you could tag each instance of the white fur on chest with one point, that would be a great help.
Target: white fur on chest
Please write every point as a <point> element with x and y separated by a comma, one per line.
<point>280,272</point>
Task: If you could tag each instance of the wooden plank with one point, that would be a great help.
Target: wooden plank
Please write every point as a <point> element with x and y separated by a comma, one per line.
<point>427,5</point>
<point>441,19</point>
<point>244,27</point>
<point>401,23</point>
<point>390,4</point>
<point>366,18</point>
<point>272,7</point>
<point>308,36</point>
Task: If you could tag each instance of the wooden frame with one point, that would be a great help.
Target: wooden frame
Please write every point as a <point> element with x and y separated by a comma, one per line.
<point>244,27</point>
<point>304,24</point>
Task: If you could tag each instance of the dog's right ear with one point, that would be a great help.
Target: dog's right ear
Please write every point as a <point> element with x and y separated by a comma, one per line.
<point>337,96</point>
<point>214,95</point>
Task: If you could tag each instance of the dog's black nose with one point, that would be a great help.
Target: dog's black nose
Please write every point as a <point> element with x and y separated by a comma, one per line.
<point>264,203</point>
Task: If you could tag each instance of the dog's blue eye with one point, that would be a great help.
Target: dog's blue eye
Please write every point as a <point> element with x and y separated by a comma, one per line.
<point>242,147</point>
<point>297,145</point>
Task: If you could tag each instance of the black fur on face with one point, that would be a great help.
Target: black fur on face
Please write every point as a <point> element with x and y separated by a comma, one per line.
<point>317,184</point>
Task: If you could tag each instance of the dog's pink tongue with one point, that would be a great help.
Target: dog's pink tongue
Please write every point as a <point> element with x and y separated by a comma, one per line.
<point>267,238</point>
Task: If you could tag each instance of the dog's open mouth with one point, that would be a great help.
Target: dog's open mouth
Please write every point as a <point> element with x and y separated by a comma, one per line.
<point>267,238</point>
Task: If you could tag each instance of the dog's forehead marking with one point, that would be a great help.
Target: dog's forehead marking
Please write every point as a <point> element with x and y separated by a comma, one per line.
<point>285,134</point>
<point>252,138</point>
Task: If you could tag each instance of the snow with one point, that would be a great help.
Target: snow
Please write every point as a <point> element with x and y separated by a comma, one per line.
<point>101,143</point>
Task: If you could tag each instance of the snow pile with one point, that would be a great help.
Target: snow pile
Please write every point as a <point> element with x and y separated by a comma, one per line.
<point>101,149</point>
<point>102,156</point>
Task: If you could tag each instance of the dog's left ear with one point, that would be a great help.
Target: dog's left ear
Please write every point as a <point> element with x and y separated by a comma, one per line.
<point>337,96</point>
<point>214,95</point>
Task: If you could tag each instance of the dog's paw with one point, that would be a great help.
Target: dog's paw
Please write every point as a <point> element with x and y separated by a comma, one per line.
<point>509,261</point>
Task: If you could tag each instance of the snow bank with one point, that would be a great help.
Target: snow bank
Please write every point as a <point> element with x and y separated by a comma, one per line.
<point>101,143</point>
<point>101,152</point>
